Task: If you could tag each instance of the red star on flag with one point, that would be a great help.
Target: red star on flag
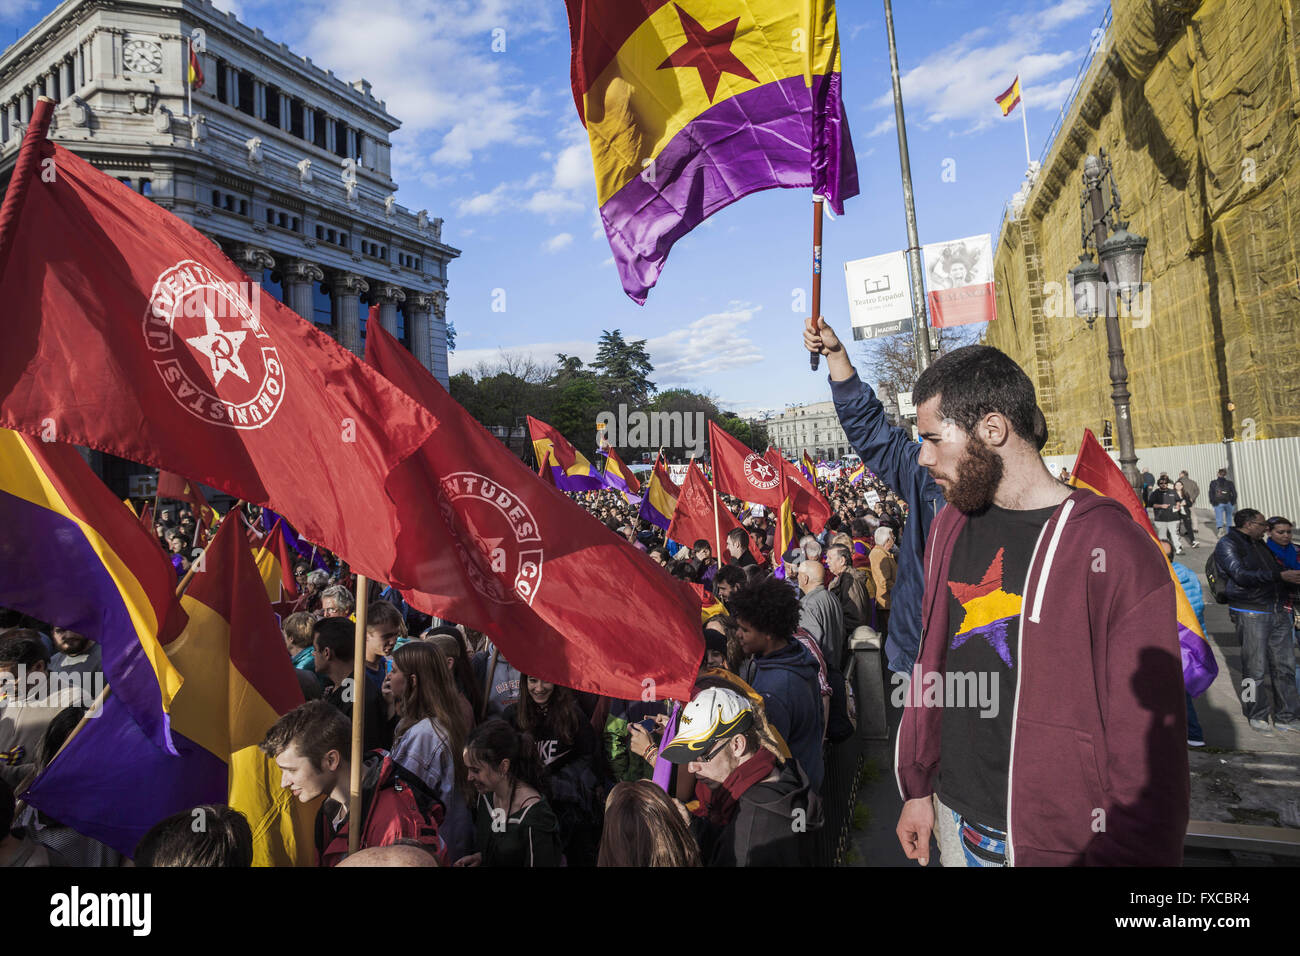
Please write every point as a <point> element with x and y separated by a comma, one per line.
<point>708,51</point>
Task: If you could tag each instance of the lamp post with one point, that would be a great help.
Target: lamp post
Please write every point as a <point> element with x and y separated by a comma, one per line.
<point>1097,288</point>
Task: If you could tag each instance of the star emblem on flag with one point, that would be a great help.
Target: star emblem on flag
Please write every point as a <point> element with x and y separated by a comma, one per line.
<point>708,51</point>
<point>221,348</point>
<point>762,469</point>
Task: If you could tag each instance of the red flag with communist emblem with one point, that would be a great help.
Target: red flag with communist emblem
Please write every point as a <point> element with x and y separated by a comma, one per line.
<point>806,502</point>
<point>740,471</point>
<point>486,542</point>
<point>129,332</point>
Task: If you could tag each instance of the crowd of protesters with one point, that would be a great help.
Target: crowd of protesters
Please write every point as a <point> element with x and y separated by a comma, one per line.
<point>507,769</point>
<point>469,762</point>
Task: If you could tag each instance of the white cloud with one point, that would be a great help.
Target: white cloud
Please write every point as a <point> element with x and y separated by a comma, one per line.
<point>15,9</point>
<point>484,204</point>
<point>956,86</point>
<point>433,64</point>
<point>548,202</point>
<point>558,242</point>
<point>707,346</point>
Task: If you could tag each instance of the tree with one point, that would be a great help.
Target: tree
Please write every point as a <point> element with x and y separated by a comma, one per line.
<point>888,363</point>
<point>625,368</point>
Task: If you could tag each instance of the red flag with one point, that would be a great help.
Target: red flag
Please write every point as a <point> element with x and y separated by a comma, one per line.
<point>741,471</point>
<point>1093,469</point>
<point>146,516</point>
<point>131,333</point>
<point>275,564</point>
<point>807,502</point>
<point>485,542</point>
<point>694,520</point>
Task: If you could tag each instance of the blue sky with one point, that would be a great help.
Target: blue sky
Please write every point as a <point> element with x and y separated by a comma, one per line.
<point>491,142</point>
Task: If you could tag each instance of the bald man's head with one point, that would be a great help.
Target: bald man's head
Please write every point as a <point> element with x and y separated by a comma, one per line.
<point>811,575</point>
<point>400,854</point>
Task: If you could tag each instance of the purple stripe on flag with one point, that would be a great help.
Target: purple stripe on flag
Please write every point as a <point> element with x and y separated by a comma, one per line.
<point>663,771</point>
<point>49,570</point>
<point>650,513</point>
<point>592,482</point>
<point>1199,666</point>
<point>111,784</point>
<point>779,134</point>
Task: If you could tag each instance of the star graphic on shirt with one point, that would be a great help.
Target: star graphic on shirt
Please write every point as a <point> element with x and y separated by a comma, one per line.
<point>708,51</point>
<point>221,348</point>
<point>988,609</point>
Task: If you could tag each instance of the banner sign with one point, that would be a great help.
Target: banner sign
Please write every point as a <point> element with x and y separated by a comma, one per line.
<point>880,296</point>
<point>959,276</point>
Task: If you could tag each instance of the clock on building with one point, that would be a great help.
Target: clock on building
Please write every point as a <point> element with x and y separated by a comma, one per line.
<point>141,56</point>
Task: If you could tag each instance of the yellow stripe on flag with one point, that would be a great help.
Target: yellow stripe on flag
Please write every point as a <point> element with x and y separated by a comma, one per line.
<point>634,108</point>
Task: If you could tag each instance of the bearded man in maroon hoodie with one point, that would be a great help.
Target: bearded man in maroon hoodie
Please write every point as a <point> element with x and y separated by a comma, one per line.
<point>1045,722</point>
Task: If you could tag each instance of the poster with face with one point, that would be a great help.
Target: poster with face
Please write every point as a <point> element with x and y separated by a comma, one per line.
<point>959,280</point>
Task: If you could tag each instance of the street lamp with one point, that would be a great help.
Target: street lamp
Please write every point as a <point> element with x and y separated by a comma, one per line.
<point>1096,287</point>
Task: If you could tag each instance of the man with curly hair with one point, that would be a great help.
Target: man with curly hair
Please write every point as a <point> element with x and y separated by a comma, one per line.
<point>785,673</point>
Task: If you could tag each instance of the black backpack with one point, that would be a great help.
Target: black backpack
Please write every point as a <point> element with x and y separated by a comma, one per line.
<point>1215,578</point>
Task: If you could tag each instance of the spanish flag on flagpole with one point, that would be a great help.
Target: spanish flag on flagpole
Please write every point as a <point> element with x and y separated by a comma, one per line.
<point>1008,99</point>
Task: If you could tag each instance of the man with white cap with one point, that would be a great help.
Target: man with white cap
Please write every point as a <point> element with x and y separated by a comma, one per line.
<point>751,808</point>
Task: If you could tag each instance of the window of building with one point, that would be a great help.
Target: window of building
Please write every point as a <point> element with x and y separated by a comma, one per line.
<point>295,118</point>
<point>273,106</point>
<point>271,282</point>
<point>322,312</point>
<point>343,239</point>
<point>243,207</point>
<point>222,96</point>
<point>318,129</point>
<point>146,187</point>
<point>297,224</point>
<point>341,140</point>
<point>244,88</point>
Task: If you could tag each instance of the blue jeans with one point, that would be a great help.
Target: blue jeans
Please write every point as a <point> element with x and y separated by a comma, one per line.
<point>1223,515</point>
<point>1268,665</point>
<point>1194,731</point>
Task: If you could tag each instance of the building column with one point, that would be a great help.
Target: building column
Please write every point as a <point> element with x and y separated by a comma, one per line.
<point>389,298</point>
<point>253,260</point>
<point>419,307</point>
<point>300,278</point>
<point>286,111</point>
<point>347,288</point>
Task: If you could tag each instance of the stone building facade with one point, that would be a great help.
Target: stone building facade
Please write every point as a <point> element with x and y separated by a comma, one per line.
<point>812,428</point>
<point>1197,103</point>
<point>281,163</point>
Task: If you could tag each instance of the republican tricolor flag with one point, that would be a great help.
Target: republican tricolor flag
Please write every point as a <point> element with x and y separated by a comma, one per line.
<point>660,498</point>
<point>1095,470</point>
<point>559,463</point>
<point>691,106</point>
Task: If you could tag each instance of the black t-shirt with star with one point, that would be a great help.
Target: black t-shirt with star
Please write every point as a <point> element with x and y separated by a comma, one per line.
<point>985,586</point>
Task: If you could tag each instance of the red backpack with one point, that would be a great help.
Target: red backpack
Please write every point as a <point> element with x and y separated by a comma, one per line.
<point>395,805</point>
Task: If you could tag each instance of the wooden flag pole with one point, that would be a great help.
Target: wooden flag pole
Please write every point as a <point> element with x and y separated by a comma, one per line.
<point>358,718</point>
<point>813,358</point>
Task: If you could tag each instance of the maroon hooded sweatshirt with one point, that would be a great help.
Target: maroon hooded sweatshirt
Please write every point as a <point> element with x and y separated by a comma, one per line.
<point>1098,773</point>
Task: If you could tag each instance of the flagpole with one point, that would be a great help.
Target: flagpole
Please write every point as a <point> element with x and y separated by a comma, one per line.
<point>920,325</point>
<point>1024,121</point>
<point>814,358</point>
<point>358,718</point>
<point>189,84</point>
